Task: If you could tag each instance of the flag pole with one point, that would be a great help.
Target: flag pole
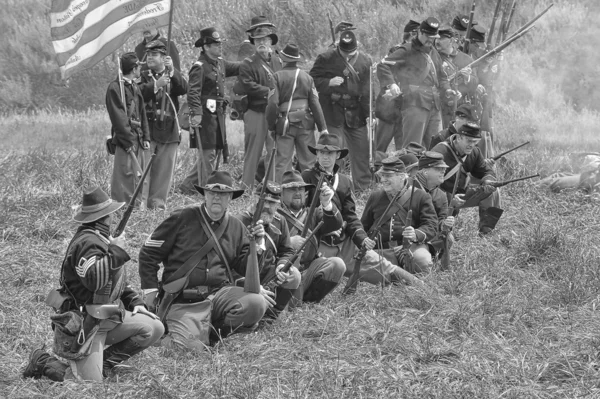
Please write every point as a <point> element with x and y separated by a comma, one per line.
<point>163,103</point>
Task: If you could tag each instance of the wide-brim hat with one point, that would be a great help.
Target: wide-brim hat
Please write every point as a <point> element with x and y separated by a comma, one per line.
<point>290,53</point>
<point>293,179</point>
<point>209,36</point>
<point>96,204</point>
<point>263,32</point>
<point>259,21</point>
<point>329,142</point>
<point>220,181</point>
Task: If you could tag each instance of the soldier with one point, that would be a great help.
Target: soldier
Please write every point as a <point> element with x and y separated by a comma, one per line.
<point>320,275</point>
<point>342,243</point>
<point>292,112</point>
<point>465,113</point>
<point>460,24</point>
<point>388,110</point>
<point>275,249</point>
<point>415,70</point>
<point>151,35</point>
<point>462,156</point>
<point>206,101</point>
<point>164,129</point>
<point>256,80</point>
<point>342,79</point>
<point>206,244</point>
<point>130,135</point>
<point>94,284</point>
<point>422,228</point>
<point>454,61</point>
<point>247,49</point>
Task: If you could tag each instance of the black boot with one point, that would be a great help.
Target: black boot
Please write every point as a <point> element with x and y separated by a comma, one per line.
<point>118,353</point>
<point>43,364</point>
<point>488,218</point>
<point>319,290</point>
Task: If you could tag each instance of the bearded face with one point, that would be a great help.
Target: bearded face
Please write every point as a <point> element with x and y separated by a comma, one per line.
<point>294,198</point>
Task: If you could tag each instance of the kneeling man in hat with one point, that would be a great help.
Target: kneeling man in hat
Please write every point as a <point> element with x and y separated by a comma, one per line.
<point>115,323</point>
<point>202,248</point>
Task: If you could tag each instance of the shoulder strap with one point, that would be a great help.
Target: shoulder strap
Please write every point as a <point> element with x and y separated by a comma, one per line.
<point>287,114</point>
<point>459,162</point>
<point>209,232</point>
<point>350,65</point>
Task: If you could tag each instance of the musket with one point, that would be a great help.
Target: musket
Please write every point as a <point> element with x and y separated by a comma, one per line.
<point>131,204</point>
<point>163,103</point>
<point>509,20</point>
<point>504,183</point>
<point>497,157</point>
<point>331,29</point>
<point>445,259</point>
<point>252,278</point>
<point>370,133</point>
<point>292,259</point>
<point>530,23</point>
<point>408,255</point>
<point>500,36</point>
<point>134,160</point>
<point>374,231</point>
<point>492,52</point>
<point>202,166</point>
<point>488,42</point>
<point>467,41</point>
<point>313,205</point>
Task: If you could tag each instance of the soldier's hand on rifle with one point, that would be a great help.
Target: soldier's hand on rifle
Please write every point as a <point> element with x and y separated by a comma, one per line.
<point>196,121</point>
<point>150,300</point>
<point>368,244</point>
<point>297,242</point>
<point>142,310</point>
<point>146,145</point>
<point>258,230</point>
<point>336,81</point>
<point>466,73</point>
<point>162,81</point>
<point>457,201</point>
<point>481,90</point>
<point>268,296</point>
<point>449,222</point>
<point>118,241</point>
<point>323,132</point>
<point>409,234</point>
<point>489,162</point>
<point>395,90</point>
<point>168,63</point>
<point>325,196</point>
<point>487,187</point>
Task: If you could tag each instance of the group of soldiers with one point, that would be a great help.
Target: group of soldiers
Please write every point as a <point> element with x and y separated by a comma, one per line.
<point>301,230</point>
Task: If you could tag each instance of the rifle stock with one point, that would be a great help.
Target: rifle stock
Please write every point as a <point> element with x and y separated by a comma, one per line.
<point>131,204</point>
<point>497,157</point>
<point>504,183</point>
<point>467,42</point>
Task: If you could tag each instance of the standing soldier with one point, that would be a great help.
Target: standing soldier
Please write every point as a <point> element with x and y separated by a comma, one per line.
<point>454,61</point>
<point>255,80</point>
<point>415,70</point>
<point>388,110</point>
<point>292,112</point>
<point>130,135</point>
<point>342,79</point>
<point>206,101</point>
<point>164,129</point>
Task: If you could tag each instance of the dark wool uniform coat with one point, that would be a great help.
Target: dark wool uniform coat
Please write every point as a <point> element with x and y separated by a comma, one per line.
<point>343,199</point>
<point>424,218</point>
<point>207,82</point>
<point>438,198</point>
<point>123,134</point>
<point>94,271</point>
<point>283,83</point>
<point>256,79</point>
<point>474,163</point>
<point>332,221</point>
<point>165,131</point>
<point>181,235</point>
<point>408,66</point>
<point>355,109</point>
<point>277,243</point>
<point>443,135</point>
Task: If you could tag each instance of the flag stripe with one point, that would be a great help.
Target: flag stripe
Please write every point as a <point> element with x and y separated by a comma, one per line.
<point>89,25</point>
<point>113,36</point>
<point>63,14</point>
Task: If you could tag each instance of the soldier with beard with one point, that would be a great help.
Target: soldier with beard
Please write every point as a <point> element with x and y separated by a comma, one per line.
<point>275,249</point>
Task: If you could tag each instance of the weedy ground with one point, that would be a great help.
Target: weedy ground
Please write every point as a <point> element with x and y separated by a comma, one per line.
<point>515,317</point>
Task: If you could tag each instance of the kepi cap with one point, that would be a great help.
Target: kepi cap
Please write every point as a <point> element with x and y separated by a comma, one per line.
<point>431,159</point>
<point>156,45</point>
<point>392,165</point>
<point>471,130</point>
<point>209,36</point>
<point>129,61</point>
<point>430,27</point>
<point>411,26</point>
<point>348,42</point>
<point>272,191</point>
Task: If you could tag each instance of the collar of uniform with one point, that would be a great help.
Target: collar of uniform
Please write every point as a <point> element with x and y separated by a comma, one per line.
<point>209,60</point>
<point>211,221</point>
<point>422,181</point>
<point>127,81</point>
<point>290,65</point>
<point>452,139</point>
<point>320,169</point>
<point>100,227</point>
<point>452,129</point>
<point>296,215</point>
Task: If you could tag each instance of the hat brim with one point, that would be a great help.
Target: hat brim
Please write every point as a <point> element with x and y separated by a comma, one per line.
<point>297,185</point>
<point>200,42</point>
<point>234,193</point>
<point>82,217</point>
<point>273,36</point>
<point>286,58</point>
<point>343,152</point>
<point>251,28</point>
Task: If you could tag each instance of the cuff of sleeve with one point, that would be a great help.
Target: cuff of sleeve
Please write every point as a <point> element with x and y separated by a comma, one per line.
<point>358,237</point>
<point>149,291</point>
<point>421,237</point>
<point>329,207</point>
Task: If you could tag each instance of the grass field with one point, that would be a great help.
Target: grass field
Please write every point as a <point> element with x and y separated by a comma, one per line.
<point>516,317</point>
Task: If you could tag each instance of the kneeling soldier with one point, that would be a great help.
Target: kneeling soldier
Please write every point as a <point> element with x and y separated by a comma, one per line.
<point>93,283</point>
<point>421,229</point>
<point>201,247</point>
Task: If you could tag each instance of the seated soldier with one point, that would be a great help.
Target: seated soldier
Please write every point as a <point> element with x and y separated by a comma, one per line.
<point>204,246</point>
<point>93,280</point>
<point>465,113</point>
<point>320,275</point>
<point>462,156</point>
<point>343,242</point>
<point>429,177</point>
<point>421,229</point>
<point>274,251</point>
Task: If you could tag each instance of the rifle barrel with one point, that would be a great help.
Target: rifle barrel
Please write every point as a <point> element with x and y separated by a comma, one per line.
<point>493,25</point>
<point>504,183</point>
<point>313,205</point>
<point>497,157</point>
<point>510,17</point>
<point>530,23</point>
